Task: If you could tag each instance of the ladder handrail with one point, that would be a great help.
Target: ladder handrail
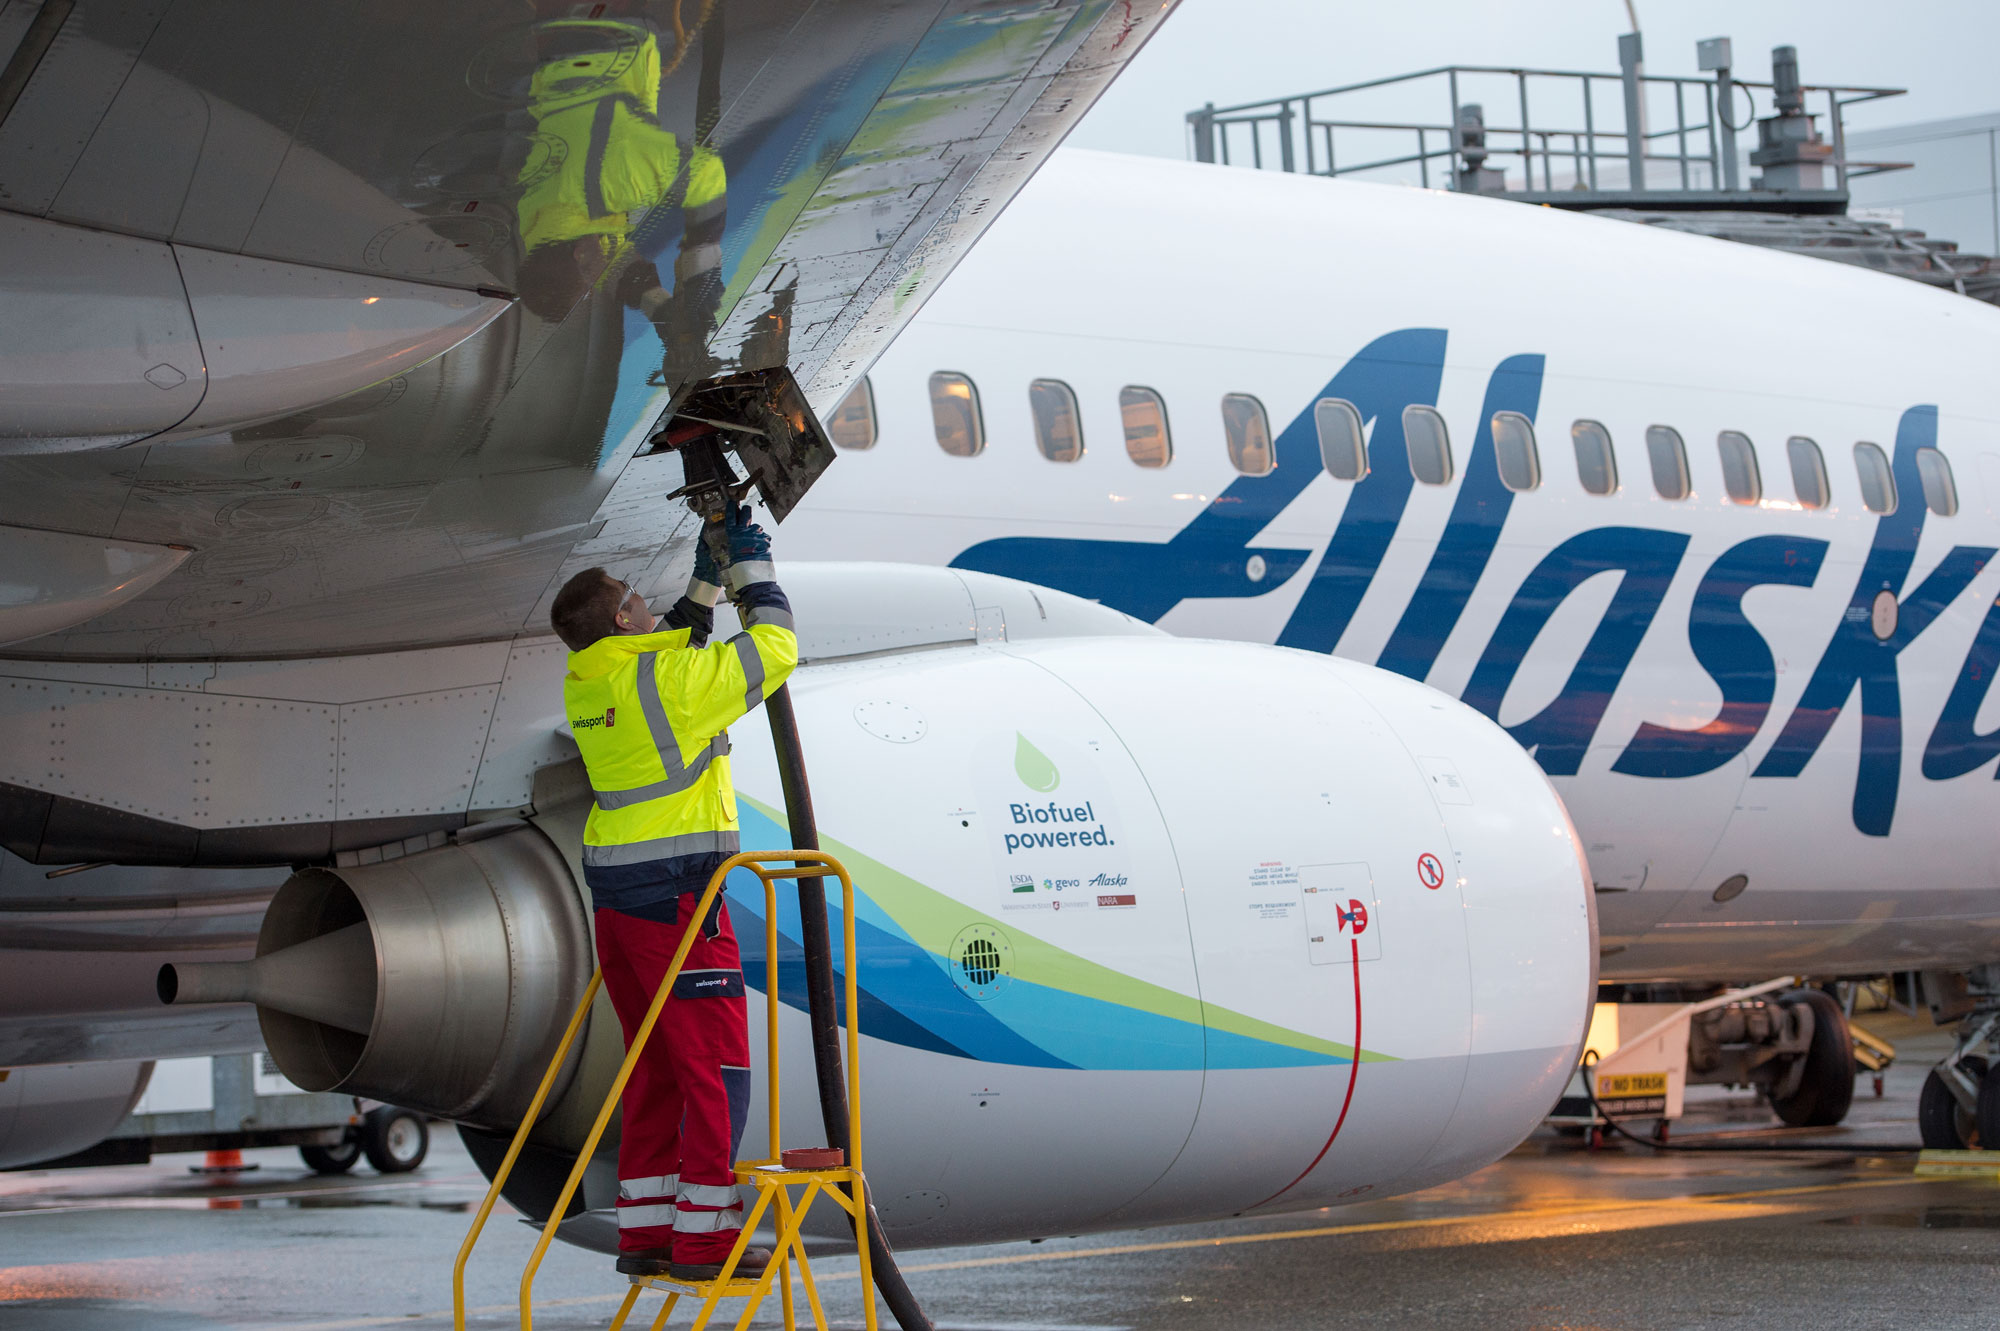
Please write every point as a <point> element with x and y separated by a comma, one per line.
<point>500,1175</point>
<point>803,861</point>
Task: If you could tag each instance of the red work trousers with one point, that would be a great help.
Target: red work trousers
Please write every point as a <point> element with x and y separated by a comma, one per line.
<point>689,1094</point>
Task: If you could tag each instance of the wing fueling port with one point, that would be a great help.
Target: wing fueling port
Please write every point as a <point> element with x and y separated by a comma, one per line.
<point>761,416</point>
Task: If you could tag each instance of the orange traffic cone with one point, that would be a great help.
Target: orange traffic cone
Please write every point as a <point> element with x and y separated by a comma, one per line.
<point>221,1162</point>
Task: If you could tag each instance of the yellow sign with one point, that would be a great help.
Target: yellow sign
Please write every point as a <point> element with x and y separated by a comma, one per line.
<point>1630,1085</point>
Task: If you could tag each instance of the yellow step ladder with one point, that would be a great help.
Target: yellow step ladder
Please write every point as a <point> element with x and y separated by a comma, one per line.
<point>774,1184</point>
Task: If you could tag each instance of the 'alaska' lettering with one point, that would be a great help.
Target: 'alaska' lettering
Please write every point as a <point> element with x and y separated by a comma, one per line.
<point>1210,556</point>
<point>1956,746</point>
<point>1857,659</point>
<point>1733,653</point>
<point>1559,734</point>
<point>1477,515</point>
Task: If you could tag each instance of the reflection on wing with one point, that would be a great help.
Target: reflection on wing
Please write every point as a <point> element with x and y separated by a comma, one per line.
<point>674,190</point>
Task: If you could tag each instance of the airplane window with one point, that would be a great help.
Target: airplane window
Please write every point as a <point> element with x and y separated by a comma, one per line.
<point>961,431</point>
<point>1248,434</point>
<point>1878,482</point>
<point>1146,439</point>
<point>1940,492</point>
<point>1740,477</point>
<point>1670,461</point>
<point>1342,447</point>
<point>1596,464</point>
<point>1514,449</point>
<point>1058,433</point>
<point>852,424</point>
<point>1429,444</point>
<point>1808,472</point>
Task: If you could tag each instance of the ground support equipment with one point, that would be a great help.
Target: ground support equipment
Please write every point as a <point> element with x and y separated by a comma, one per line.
<point>774,1183</point>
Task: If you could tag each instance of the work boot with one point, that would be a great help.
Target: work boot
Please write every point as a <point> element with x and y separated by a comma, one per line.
<point>645,1262</point>
<point>748,1267</point>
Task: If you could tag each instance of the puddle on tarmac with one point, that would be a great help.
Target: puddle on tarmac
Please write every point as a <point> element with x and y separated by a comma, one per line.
<point>334,1201</point>
<point>1930,1217</point>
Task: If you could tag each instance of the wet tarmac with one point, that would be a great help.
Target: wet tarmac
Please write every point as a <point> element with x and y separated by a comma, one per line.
<point>1553,1236</point>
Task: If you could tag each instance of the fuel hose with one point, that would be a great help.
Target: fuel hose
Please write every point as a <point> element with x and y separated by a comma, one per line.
<point>815,941</point>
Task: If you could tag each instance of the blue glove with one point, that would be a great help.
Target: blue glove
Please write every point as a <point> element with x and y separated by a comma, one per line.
<point>749,550</point>
<point>747,541</point>
<point>705,587</point>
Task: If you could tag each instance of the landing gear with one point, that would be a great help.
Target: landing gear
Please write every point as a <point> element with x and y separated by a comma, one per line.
<point>336,1159</point>
<point>1959,1107</point>
<point>1818,1089</point>
<point>395,1140</point>
<point>1946,1124</point>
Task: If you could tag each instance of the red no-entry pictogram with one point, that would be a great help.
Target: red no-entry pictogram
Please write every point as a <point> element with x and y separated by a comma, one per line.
<point>1430,870</point>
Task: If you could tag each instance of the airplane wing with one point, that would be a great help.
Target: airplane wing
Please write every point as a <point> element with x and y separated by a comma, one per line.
<point>339,328</point>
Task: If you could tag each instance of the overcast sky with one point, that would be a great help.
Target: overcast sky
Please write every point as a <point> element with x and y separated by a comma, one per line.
<point>1228,51</point>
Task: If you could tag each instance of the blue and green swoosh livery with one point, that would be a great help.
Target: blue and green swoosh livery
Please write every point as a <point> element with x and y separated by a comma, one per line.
<point>1059,1010</point>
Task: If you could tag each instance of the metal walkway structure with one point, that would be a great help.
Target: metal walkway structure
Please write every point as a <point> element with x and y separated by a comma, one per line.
<point>1639,147</point>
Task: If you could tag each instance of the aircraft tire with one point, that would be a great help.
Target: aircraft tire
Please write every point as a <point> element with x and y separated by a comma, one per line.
<point>1941,1121</point>
<point>1987,1116</point>
<point>1827,1088</point>
<point>337,1159</point>
<point>395,1140</point>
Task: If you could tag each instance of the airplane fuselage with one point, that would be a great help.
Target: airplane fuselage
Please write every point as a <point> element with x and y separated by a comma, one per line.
<point>1722,686</point>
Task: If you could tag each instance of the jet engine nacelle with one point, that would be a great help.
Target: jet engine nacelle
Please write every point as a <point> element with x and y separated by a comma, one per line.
<point>1156,929</point>
<point>439,981</point>
<point>1150,930</point>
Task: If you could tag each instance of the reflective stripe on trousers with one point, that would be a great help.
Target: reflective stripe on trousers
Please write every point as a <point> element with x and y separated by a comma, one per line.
<point>645,1217</point>
<point>707,1222</point>
<point>639,1189</point>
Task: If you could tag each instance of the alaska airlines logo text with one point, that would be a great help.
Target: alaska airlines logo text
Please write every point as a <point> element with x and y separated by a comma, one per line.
<point>1211,557</point>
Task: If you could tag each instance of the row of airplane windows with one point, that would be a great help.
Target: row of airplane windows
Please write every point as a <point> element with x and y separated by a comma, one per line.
<point>960,427</point>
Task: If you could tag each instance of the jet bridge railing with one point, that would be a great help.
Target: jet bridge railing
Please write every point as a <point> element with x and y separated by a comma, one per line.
<point>1546,130</point>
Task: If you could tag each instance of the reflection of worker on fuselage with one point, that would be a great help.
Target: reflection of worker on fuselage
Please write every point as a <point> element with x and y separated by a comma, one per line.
<point>617,163</point>
<point>649,703</point>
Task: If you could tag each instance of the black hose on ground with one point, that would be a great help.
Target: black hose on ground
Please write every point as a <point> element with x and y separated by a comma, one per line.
<point>816,941</point>
<point>1858,1148</point>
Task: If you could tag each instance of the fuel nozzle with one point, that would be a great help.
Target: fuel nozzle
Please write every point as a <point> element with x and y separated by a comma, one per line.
<point>710,486</point>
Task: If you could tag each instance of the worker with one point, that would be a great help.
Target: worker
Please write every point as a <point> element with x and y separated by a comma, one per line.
<point>650,702</point>
<point>609,163</point>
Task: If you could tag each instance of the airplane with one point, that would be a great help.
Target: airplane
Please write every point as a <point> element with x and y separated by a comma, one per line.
<point>321,370</point>
<point>1165,1068</point>
<point>1705,527</point>
<point>318,385</point>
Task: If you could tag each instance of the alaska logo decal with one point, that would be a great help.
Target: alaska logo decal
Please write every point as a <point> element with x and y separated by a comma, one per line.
<point>1212,557</point>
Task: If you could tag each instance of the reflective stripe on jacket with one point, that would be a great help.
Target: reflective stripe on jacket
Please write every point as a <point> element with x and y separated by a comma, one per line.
<point>650,714</point>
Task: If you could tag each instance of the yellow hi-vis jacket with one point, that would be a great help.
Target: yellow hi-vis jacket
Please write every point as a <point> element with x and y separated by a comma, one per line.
<point>615,160</point>
<point>650,713</point>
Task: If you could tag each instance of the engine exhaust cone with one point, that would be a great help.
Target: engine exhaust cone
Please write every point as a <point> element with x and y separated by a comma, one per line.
<point>329,979</point>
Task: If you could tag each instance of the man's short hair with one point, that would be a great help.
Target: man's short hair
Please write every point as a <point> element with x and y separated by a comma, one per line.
<point>586,608</point>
